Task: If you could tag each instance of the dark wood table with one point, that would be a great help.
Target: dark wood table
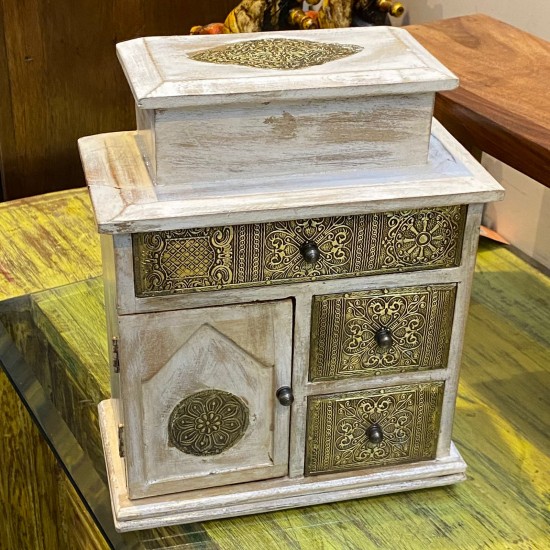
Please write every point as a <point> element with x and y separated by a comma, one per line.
<point>502,106</point>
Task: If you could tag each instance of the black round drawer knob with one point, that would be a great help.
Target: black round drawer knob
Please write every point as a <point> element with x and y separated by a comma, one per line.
<point>285,396</point>
<point>375,434</point>
<point>383,337</point>
<point>310,252</point>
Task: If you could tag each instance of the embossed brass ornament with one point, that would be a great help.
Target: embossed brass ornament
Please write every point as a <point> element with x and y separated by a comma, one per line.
<point>276,53</point>
<point>207,422</point>
<point>340,427</point>
<point>395,9</point>
<point>346,327</point>
<point>188,260</point>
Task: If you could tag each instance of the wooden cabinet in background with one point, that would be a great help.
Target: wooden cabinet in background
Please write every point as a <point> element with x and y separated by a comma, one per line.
<point>60,79</point>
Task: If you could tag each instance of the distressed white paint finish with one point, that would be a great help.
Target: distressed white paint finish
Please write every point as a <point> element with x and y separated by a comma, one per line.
<point>162,76</point>
<point>300,369</point>
<point>469,249</point>
<point>244,350</point>
<point>110,293</point>
<point>128,303</point>
<point>320,136</point>
<point>208,122</point>
<point>225,143</point>
<point>262,496</point>
<point>145,137</point>
<point>126,201</point>
<point>303,294</point>
<point>382,381</point>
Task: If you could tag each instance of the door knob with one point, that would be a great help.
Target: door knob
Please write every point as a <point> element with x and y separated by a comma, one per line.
<point>384,337</point>
<point>310,252</point>
<point>375,434</point>
<point>285,396</point>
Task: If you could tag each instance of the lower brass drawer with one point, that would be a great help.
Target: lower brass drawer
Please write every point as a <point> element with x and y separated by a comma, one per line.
<point>376,427</point>
<point>190,260</point>
<point>377,332</point>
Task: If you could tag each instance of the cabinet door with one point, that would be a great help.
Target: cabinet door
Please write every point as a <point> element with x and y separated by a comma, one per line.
<point>199,390</point>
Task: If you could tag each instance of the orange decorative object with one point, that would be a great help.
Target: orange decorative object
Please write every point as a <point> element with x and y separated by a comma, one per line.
<point>276,15</point>
<point>300,20</point>
<point>211,28</point>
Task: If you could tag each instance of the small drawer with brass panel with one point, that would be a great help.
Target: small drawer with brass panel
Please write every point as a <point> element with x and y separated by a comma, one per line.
<point>188,260</point>
<point>380,332</point>
<point>377,427</point>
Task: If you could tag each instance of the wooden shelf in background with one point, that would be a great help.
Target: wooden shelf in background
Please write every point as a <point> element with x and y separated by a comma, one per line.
<point>502,106</point>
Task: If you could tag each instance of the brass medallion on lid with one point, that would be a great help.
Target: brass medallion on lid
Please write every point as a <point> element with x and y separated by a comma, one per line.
<point>276,53</point>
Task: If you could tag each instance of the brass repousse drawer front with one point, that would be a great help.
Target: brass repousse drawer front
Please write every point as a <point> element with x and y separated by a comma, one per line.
<point>373,427</point>
<point>187,260</point>
<point>381,331</point>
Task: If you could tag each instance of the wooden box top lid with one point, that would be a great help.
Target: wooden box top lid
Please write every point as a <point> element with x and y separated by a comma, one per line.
<point>182,71</point>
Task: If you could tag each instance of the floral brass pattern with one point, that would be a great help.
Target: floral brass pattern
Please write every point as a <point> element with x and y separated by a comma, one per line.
<point>207,423</point>
<point>419,237</point>
<point>283,259</point>
<point>276,53</point>
<point>337,425</point>
<point>190,260</point>
<point>344,328</point>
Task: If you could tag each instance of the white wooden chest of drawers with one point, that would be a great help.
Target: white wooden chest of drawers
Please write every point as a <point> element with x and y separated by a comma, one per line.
<point>288,339</point>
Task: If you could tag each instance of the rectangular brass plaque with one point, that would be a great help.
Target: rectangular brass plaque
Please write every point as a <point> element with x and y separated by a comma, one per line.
<point>407,418</point>
<point>344,327</point>
<point>190,260</point>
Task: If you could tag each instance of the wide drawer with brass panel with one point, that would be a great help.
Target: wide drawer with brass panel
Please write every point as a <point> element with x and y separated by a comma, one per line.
<point>381,331</point>
<point>187,260</point>
<point>288,246</point>
<point>377,427</point>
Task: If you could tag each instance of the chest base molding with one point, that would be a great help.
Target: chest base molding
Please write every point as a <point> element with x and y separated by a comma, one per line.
<point>261,496</point>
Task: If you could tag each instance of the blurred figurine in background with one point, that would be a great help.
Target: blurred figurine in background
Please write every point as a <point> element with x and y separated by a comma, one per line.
<point>275,15</point>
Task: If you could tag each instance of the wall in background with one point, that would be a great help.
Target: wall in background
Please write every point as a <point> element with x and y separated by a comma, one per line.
<point>532,16</point>
<point>524,215</point>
